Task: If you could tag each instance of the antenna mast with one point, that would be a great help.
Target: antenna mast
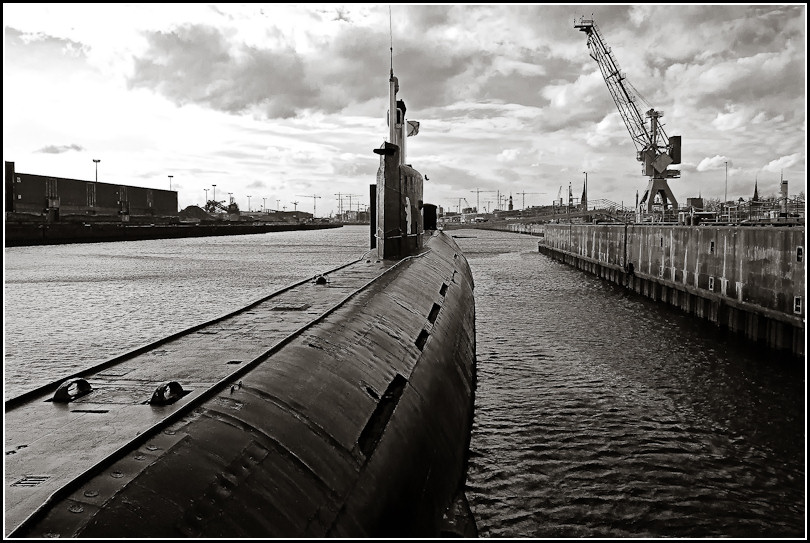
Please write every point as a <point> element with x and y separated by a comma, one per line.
<point>393,88</point>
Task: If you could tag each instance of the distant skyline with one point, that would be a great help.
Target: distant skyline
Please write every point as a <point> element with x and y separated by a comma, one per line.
<point>283,103</point>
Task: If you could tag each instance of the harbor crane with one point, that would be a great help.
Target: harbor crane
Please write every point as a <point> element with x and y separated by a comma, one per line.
<point>478,198</point>
<point>524,193</point>
<point>314,199</point>
<point>341,196</point>
<point>340,202</point>
<point>350,196</point>
<point>653,148</point>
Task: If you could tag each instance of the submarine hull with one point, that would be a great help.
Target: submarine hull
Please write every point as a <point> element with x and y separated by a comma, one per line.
<point>357,425</point>
<point>337,407</point>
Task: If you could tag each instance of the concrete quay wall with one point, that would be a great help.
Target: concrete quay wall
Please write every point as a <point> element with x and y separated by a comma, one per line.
<point>746,279</point>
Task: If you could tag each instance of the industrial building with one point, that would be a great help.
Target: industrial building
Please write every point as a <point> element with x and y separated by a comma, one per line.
<point>56,197</point>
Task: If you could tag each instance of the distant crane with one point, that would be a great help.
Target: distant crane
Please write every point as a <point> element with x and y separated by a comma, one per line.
<point>340,203</point>
<point>503,199</point>
<point>314,198</point>
<point>350,196</point>
<point>653,148</point>
<point>524,193</point>
<point>477,198</point>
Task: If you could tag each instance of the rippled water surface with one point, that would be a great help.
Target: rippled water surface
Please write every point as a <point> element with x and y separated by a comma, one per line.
<point>598,413</point>
<point>602,414</point>
<point>71,306</point>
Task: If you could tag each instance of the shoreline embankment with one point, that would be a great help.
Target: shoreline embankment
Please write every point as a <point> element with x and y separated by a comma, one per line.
<point>20,235</point>
<point>745,279</point>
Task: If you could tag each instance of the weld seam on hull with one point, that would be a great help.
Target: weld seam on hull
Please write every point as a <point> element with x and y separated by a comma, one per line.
<point>284,406</point>
<point>236,422</point>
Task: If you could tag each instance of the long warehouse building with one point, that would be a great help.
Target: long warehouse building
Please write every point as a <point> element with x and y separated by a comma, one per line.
<point>54,196</point>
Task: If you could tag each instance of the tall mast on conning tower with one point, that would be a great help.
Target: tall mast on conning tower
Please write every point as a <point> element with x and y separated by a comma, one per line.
<point>393,88</point>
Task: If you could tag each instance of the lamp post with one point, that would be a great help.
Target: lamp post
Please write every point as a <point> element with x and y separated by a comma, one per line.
<point>215,193</point>
<point>230,197</point>
<point>170,182</point>
<point>206,196</point>
<point>92,202</point>
<point>264,205</point>
<point>248,203</point>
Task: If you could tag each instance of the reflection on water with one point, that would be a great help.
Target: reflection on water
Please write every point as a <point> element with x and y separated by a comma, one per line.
<point>598,413</point>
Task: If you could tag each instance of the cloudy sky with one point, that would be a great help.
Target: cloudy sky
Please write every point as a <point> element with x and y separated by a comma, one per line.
<point>284,103</point>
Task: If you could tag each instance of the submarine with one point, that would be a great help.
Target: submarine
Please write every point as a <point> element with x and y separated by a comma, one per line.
<point>339,406</point>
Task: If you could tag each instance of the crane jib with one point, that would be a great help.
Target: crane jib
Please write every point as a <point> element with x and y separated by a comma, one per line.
<point>658,151</point>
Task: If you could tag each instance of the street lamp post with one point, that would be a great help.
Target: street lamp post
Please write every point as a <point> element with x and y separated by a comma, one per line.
<point>92,202</point>
<point>264,204</point>
<point>248,203</point>
<point>206,196</point>
<point>215,193</point>
<point>170,182</point>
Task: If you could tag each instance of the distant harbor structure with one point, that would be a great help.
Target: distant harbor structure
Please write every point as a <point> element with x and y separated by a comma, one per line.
<point>48,210</point>
<point>29,195</point>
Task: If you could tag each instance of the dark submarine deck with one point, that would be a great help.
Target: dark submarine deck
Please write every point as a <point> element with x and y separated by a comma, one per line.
<point>284,403</point>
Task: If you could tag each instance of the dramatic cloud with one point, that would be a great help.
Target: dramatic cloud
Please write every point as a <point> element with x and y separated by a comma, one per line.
<point>279,100</point>
<point>196,64</point>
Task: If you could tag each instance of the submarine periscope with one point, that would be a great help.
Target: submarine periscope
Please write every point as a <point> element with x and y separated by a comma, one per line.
<point>349,417</point>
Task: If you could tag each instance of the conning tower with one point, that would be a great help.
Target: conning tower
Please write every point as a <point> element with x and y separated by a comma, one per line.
<point>398,194</point>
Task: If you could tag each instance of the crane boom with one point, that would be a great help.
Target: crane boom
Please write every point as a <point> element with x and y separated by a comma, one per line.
<point>654,149</point>
<point>314,198</point>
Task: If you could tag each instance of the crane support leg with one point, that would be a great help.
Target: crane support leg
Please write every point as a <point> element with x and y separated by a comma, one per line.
<point>657,186</point>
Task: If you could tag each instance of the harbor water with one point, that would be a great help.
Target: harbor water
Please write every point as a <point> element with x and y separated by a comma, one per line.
<point>599,413</point>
